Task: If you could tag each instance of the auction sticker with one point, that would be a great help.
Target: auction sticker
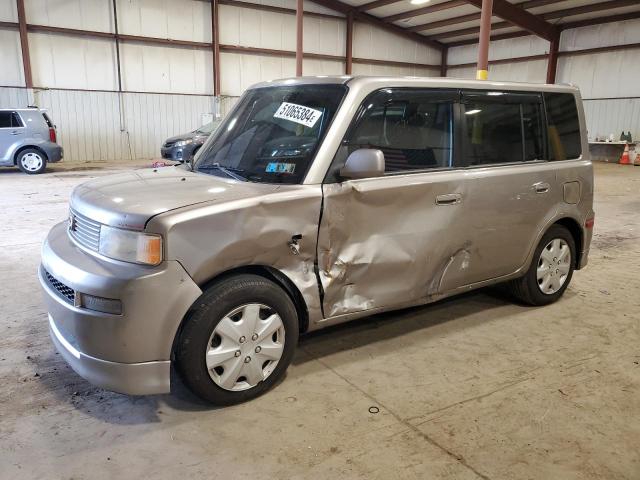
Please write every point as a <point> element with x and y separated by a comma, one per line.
<point>298,114</point>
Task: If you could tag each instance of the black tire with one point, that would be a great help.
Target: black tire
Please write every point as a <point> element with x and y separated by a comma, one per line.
<point>526,288</point>
<point>205,315</point>
<point>30,154</point>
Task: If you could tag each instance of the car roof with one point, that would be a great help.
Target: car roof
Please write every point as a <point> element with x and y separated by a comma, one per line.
<point>423,82</point>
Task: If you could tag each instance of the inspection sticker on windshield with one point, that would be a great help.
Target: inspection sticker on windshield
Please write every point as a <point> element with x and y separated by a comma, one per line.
<point>298,113</point>
<point>277,167</point>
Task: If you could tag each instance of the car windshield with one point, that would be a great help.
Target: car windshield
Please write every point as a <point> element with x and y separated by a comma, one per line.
<point>208,128</point>
<point>272,134</point>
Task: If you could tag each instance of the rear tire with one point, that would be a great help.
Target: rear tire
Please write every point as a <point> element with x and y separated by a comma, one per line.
<point>238,340</point>
<point>550,271</point>
<point>31,161</point>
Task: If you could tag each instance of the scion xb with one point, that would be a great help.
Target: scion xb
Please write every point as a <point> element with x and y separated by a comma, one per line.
<point>28,140</point>
<point>317,201</point>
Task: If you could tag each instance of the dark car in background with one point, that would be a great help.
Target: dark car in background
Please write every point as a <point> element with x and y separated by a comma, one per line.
<point>183,147</point>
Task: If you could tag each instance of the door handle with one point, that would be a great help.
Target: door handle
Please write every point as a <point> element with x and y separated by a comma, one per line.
<point>541,187</point>
<point>449,199</point>
<point>15,133</point>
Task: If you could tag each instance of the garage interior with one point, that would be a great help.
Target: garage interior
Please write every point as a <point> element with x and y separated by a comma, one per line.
<point>475,386</point>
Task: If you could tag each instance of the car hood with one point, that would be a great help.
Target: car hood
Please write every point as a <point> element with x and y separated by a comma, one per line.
<point>182,136</point>
<point>129,200</point>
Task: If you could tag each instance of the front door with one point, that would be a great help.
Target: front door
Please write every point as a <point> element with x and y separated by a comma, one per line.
<point>390,241</point>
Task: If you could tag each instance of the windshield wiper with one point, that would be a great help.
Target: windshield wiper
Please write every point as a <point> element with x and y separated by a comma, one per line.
<point>229,171</point>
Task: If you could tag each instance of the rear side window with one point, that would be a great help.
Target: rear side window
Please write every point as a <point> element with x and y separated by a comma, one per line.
<point>503,127</point>
<point>10,120</point>
<point>494,133</point>
<point>5,119</point>
<point>16,121</point>
<point>413,128</point>
<point>563,126</point>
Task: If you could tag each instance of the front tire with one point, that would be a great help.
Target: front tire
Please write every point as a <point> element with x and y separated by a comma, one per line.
<point>32,161</point>
<point>238,340</point>
<point>551,269</point>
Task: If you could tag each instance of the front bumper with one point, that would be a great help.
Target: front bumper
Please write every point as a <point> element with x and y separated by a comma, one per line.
<point>128,353</point>
<point>144,378</point>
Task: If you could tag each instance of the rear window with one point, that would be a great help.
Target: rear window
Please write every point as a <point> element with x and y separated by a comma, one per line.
<point>563,126</point>
<point>48,120</point>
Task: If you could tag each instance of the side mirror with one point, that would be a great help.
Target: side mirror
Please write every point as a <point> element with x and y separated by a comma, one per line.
<point>363,163</point>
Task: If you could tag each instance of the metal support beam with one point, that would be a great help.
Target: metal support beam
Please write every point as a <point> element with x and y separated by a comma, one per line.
<point>299,34</point>
<point>341,7</point>
<point>443,62</point>
<point>348,65</point>
<point>482,70</point>
<point>520,17</point>
<point>552,62</point>
<point>215,46</point>
<point>24,44</point>
<point>476,16</point>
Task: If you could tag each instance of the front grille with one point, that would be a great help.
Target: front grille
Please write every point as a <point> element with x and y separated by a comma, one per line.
<point>84,231</point>
<point>66,293</point>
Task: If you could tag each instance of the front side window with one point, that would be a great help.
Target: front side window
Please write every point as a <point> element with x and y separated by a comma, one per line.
<point>413,128</point>
<point>272,135</point>
<point>564,126</point>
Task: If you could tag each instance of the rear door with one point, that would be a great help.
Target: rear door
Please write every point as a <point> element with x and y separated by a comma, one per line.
<point>513,189</point>
<point>388,241</point>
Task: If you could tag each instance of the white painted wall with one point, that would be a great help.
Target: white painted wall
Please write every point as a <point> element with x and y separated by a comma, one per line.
<point>600,77</point>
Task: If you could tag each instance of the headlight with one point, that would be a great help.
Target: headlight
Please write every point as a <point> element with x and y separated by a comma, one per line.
<point>130,246</point>
<point>182,143</point>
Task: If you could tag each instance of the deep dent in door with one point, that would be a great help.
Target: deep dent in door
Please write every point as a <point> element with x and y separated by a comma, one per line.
<point>357,270</point>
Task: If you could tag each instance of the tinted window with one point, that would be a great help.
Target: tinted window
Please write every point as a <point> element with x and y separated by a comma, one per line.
<point>5,119</point>
<point>494,133</point>
<point>47,120</point>
<point>412,128</point>
<point>16,121</point>
<point>564,127</point>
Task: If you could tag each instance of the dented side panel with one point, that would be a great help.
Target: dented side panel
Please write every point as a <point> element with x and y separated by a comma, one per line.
<point>384,241</point>
<point>257,230</point>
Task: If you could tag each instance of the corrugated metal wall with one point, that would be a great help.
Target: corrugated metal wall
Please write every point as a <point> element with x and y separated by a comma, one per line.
<point>89,122</point>
<point>609,82</point>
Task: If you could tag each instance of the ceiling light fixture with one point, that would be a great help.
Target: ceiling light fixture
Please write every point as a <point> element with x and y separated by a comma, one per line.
<point>419,2</point>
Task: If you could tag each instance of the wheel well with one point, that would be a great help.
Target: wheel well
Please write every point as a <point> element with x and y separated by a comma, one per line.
<point>26,147</point>
<point>576,232</point>
<point>278,278</point>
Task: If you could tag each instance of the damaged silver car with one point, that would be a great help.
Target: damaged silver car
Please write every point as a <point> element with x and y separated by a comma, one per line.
<point>317,201</point>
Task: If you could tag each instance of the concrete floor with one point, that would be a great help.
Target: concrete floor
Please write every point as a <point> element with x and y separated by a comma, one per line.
<point>473,387</point>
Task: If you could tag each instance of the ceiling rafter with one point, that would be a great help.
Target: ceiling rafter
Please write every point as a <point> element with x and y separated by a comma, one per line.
<point>567,12</point>
<point>476,16</point>
<point>424,10</point>
<point>520,18</point>
<point>376,4</point>
<point>346,9</point>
